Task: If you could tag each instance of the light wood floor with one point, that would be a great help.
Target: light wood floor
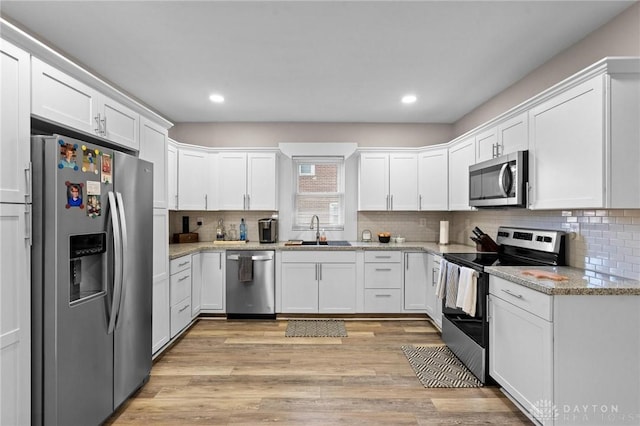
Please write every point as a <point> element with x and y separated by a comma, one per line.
<point>246,373</point>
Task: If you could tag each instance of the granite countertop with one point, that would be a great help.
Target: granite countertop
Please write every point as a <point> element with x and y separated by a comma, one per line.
<point>580,282</point>
<point>178,250</point>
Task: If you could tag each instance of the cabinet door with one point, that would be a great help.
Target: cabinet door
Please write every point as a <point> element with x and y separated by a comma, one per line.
<point>567,146</point>
<point>212,282</point>
<point>196,283</point>
<point>521,358</point>
<point>300,287</point>
<point>433,305</point>
<point>261,181</point>
<point>15,324</point>
<point>63,99</point>
<point>461,156</point>
<point>191,173</point>
<point>15,125</point>
<point>121,124</point>
<point>232,180</point>
<point>210,181</point>
<point>416,283</point>
<point>160,304</point>
<point>433,179</point>
<point>337,288</point>
<point>403,181</point>
<point>373,191</point>
<point>172,176</point>
<point>153,148</point>
<point>486,145</point>
<point>513,134</point>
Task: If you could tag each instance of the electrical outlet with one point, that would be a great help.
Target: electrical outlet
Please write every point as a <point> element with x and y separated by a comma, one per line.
<point>423,222</point>
<point>200,221</point>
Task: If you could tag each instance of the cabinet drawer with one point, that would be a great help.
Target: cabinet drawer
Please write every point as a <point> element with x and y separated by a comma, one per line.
<point>180,264</point>
<point>530,300</point>
<point>383,275</point>
<point>180,316</point>
<point>180,286</point>
<point>382,256</point>
<point>387,300</point>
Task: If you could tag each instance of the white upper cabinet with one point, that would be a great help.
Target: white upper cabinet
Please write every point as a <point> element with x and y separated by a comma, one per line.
<point>61,98</point>
<point>247,181</point>
<point>584,145</point>
<point>153,148</point>
<point>172,175</point>
<point>15,126</point>
<point>388,181</point>
<point>508,136</point>
<point>197,189</point>
<point>433,177</point>
<point>462,154</point>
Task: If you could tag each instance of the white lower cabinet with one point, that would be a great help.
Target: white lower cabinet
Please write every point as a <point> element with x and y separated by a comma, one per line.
<point>160,317</point>
<point>433,305</point>
<point>318,282</point>
<point>416,284</point>
<point>212,276</point>
<point>180,294</point>
<point>566,359</point>
<point>382,281</point>
<point>15,323</point>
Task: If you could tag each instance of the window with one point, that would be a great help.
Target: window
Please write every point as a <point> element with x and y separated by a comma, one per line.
<point>318,190</point>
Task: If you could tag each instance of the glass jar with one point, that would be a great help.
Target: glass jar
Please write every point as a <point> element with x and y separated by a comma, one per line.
<point>232,232</point>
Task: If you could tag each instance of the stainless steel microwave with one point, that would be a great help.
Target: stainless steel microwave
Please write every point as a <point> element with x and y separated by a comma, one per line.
<point>500,182</point>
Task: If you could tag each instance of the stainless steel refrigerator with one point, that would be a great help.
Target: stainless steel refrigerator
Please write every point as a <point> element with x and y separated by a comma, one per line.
<point>92,279</point>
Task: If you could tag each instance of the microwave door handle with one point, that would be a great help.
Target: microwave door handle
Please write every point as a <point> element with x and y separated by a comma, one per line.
<point>504,171</point>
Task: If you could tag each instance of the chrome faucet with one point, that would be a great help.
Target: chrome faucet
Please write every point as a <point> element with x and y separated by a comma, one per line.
<point>317,219</point>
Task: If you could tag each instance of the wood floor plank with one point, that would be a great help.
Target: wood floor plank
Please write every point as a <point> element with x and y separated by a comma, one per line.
<point>247,372</point>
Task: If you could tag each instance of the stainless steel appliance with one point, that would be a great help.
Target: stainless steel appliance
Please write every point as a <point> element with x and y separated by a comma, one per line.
<point>268,230</point>
<point>91,279</point>
<point>500,182</point>
<point>468,336</point>
<point>250,284</point>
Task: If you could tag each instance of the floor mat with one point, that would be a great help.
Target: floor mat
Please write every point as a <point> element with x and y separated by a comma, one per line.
<point>438,367</point>
<point>316,328</point>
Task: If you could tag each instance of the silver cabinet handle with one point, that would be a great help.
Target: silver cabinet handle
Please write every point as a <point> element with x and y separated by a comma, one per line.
<point>97,129</point>
<point>383,295</point>
<point>316,278</point>
<point>510,293</point>
<point>391,208</point>
<point>185,307</point>
<point>28,175</point>
<point>220,260</point>
<point>320,269</point>
<point>27,224</point>
<point>433,276</point>
<point>248,202</point>
<point>383,257</point>
<point>183,264</point>
<point>387,202</point>
<point>183,278</point>
<point>205,201</point>
<point>382,269</point>
<point>104,125</point>
<point>406,261</point>
<point>420,202</point>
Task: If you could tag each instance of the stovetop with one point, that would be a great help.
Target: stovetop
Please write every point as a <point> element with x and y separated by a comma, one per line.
<point>473,260</point>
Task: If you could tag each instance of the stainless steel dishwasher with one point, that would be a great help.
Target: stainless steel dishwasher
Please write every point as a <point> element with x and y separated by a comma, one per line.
<point>250,284</point>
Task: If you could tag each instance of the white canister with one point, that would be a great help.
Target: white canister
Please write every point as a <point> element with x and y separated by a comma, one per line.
<point>444,232</point>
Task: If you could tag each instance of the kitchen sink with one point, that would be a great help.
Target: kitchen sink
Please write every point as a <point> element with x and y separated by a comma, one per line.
<point>327,243</point>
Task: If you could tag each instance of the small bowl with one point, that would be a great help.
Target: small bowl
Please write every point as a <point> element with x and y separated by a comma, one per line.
<point>384,239</point>
<point>400,240</point>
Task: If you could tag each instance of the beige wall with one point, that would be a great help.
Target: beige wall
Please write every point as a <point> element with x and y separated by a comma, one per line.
<point>618,37</point>
<point>270,134</point>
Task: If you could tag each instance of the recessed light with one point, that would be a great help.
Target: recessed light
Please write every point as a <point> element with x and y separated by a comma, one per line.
<point>218,99</point>
<point>409,99</point>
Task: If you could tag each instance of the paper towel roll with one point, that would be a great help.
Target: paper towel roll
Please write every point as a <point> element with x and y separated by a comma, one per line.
<point>444,232</point>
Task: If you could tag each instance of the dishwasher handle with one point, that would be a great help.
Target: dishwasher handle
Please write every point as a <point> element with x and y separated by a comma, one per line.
<point>262,258</point>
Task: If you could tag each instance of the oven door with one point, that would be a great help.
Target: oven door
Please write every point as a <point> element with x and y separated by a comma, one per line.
<point>474,327</point>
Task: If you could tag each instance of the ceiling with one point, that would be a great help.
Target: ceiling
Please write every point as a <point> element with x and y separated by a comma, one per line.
<point>311,61</point>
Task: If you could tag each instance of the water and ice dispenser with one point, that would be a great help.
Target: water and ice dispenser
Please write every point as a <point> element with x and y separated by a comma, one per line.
<point>87,265</point>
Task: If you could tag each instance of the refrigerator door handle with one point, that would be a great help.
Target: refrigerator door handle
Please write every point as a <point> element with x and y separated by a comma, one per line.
<point>117,275</point>
<point>124,253</point>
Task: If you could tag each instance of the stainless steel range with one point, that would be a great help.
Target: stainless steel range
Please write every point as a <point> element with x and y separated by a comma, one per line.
<point>468,335</point>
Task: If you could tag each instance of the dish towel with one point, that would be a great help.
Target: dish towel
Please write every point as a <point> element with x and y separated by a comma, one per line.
<point>453,275</point>
<point>245,269</point>
<point>467,290</point>
<point>442,279</point>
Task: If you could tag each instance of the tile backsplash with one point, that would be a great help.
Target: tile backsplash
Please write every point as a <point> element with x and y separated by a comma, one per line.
<point>606,241</point>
